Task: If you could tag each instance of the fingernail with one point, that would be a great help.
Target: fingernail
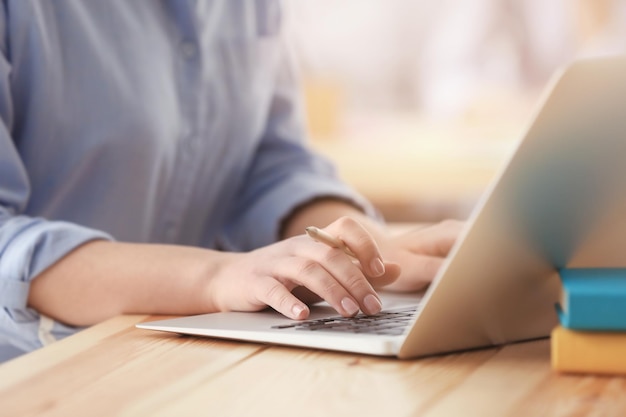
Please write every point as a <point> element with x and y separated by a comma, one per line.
<point>349,306</point>
<point>297,311</point>
<point>373,304</point>
<point>378,267</point>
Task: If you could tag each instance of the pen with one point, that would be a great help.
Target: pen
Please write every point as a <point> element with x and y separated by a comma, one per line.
<point>321,236</point>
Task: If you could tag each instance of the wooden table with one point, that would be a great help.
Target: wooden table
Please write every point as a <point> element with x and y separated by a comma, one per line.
<point>114,369</point>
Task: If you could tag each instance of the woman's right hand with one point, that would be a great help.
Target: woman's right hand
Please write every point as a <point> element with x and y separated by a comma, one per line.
<point>270,276</point>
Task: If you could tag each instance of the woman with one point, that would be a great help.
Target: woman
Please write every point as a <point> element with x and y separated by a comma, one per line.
<point>152,160</point>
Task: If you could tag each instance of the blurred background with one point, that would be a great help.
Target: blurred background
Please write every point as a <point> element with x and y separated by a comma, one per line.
<point>421,102</point>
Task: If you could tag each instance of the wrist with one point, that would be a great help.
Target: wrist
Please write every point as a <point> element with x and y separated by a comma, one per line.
<point>215,278</point>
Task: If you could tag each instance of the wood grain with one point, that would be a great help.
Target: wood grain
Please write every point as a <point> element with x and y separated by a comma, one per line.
<point>114,369</point>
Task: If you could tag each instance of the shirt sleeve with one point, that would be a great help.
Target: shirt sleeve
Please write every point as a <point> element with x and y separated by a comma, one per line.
<point>284,173</point>
<point>28,245</point>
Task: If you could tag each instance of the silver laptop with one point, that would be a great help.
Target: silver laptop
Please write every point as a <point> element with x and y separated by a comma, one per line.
<point>559,201</point>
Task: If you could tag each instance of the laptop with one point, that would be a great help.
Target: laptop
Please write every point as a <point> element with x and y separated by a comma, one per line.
<point>560,201</point>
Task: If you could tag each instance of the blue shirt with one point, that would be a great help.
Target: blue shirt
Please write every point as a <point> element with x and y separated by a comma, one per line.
<point>143,121</point>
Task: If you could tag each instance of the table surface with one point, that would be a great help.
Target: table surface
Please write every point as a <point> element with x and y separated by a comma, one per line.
<point>114,369</point>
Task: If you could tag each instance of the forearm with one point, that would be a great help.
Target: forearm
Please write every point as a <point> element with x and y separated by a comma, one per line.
<point>102,279</point>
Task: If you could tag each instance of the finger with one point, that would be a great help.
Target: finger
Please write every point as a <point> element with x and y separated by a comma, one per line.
<point>436,239</point>
<point>345,288</point>
<point>421,269</point>
<point>350,275</point>
<point>361,243</point>
<point>274,294</point>
<point>392,273</point>
<point>335,262</point>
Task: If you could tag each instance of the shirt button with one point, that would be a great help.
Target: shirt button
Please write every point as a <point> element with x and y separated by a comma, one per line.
<point>192,143</point>
<point>170,231</point>
<point>189,49</point>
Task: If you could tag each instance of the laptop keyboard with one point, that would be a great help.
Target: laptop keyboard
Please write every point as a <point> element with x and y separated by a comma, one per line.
<point>392,322</point>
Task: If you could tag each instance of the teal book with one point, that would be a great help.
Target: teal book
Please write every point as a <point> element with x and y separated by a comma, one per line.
<point>593,299</point>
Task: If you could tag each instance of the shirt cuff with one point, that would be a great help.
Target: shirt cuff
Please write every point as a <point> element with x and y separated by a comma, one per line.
<point>24,330</point>
<point>31,245</point>
<point>27,247</point>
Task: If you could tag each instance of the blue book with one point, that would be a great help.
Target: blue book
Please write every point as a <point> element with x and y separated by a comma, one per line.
<point>593,299</point>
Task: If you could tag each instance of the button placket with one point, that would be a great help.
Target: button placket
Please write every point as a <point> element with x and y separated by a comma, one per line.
<point>188,158</point>
<point>189,49</point>
<point>191,143</point>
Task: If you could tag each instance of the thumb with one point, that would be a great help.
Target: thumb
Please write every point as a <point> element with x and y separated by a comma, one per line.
<point>392,272</point>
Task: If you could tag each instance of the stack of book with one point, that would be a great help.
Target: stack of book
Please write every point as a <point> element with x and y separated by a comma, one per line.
<point>591,337</point>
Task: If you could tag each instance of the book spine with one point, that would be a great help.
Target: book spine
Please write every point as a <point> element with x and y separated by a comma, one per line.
<point>588,352</point>
<point>595,312</point>
<point>593,299</point>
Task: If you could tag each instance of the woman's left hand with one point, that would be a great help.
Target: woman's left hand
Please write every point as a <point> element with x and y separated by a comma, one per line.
<point>420,252</point>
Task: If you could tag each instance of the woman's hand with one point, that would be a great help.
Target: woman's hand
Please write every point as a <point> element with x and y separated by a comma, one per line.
<point>291,273</point>
<point>420,252</point>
